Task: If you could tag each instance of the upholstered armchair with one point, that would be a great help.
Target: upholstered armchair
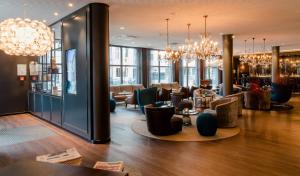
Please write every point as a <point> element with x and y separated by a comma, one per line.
<point>251,100</point>
<point>240,97</point>
<point>132,100</point>
<point>146,96</point>
<point>281,93</point>
<point>165,94</point>
<point>185,91</point>
<point>160,120</point>
<point>200,93</point>
<point>192,89</point>
<point>225,110</point>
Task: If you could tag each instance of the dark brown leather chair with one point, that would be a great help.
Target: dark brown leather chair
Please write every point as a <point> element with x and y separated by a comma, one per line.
<point>160,120</point>
<point>165,94</point>
<point>132,100</point>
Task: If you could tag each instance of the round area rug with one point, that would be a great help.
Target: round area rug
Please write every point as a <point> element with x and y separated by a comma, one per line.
<point>188,134</point>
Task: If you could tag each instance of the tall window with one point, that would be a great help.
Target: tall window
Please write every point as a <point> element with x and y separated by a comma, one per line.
<point>124,65</point>
<point>212,74</point>
<point>189,73</point>
<point>160,70</point>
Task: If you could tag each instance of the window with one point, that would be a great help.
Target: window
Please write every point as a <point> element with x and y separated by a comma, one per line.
<point>124,64</point>
<point>189,73</point>
<point>161,71</point>
<point>213,74</point>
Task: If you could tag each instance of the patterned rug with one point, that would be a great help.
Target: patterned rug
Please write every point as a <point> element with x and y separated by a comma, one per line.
<point>188,133</point>
<point>10,136</point>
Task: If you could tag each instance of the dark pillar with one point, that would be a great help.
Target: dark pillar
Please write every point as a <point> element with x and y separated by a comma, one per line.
<point>144,66</point>
<point>227,64</point>
<point>176,66</point>
<point>99,44</point>
<point>275,64</point>
<point>220,79</point>
<point>202,69</point>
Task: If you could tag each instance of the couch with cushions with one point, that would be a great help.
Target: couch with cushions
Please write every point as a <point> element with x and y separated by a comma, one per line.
<point>174,86</point>
<point>122,92</point>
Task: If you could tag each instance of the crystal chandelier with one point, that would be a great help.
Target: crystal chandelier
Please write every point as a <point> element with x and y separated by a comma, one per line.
<point>169,53</point>
<point>24,37</point>
<point>244,57</point>
<point>188,48</point>
<point>207,48</point>
<point>264,59</point>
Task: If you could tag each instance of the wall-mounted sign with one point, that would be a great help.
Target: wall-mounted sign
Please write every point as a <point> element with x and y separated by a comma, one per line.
<point>21,69</point>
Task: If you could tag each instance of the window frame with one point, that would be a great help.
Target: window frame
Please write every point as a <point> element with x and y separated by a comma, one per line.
<point>159,66</point>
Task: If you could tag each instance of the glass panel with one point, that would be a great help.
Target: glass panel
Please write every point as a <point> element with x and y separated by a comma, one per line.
<point>154,60</point>
<point>154,75</point>
<point>71,71</point>
<point>166,74</point>
<point>130,56</point>
<point>130,75</point>
<point>115,75</point>
<point>192,77</point>
<point>115,55</point>
<point>192,63</point>
<point>212,73</point>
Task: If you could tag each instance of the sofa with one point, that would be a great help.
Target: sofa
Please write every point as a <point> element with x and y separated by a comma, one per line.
<point>122,92</point>
<point>160,120</point>
<point>258,99</point>
<point>174,86</point>
<point>225,110</point>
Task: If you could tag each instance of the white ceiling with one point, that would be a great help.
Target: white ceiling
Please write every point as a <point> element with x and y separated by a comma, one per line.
<point>276,20</point>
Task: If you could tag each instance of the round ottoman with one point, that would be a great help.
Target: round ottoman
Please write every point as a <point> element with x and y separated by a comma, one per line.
<point>206,124</point>
<point>185,104</point>
<point>112,105</point>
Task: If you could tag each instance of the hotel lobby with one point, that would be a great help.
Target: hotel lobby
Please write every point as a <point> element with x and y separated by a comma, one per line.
<point>149,88</point>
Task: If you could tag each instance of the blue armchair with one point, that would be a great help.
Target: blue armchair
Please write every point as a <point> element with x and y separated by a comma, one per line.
<point>280,93</point>
<point>146,96</point>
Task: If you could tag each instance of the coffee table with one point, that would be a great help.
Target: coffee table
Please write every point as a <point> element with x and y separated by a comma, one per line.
<point>186,116</point>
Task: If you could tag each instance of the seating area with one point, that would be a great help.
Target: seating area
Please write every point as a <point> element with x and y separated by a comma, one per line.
<point>149,88</point>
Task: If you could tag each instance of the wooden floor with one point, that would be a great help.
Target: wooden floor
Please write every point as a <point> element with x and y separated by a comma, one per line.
<point>269,144</point>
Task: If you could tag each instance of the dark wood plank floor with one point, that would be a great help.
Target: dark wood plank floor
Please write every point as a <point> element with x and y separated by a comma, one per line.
<point>269,144</point>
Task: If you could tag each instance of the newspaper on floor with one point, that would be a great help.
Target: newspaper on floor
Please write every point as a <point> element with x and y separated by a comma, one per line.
<point>69,156</point>
<point>116,166</point>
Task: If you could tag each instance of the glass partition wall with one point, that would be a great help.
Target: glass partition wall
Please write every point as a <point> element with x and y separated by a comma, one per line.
<point>124,65</point>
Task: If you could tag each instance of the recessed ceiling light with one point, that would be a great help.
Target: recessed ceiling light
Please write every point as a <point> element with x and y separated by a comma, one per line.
<point>70,5</point>
<point>55,13</point>
<point>122,27</point>
<point>233,36</point>
<point>44,21</point>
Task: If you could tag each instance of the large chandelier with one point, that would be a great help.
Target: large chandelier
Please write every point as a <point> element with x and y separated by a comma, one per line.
<point>169,53</point>
<point>188,48</point>
<point>244,57</point>
<point>264,59</point>
<point>24,37</point>
<point>207,48</point>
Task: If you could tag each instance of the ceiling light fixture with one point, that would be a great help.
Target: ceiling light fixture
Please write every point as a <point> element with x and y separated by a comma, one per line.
<point>24,37</point>
<point>55,14</point>
<point>188,49</point>
<point>207,48</point>
<point>169,53</point>
<point>122,27</point>
<point>70,5</point>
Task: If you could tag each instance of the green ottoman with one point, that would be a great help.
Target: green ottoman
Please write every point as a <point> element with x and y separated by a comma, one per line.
<point>112,105</point>
<point>206,124</point>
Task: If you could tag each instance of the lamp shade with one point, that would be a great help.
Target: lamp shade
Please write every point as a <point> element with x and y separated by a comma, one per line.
<point>25,37</point>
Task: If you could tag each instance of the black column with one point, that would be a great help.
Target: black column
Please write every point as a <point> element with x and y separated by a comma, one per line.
<point>99,44</point>
<point>176,66</point>
<point>275,64</point>
<point>227,64</point>
<point>145,66</point>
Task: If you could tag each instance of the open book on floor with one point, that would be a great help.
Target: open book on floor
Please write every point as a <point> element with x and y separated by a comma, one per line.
<point>117,166</point>
<point>69,156</point>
